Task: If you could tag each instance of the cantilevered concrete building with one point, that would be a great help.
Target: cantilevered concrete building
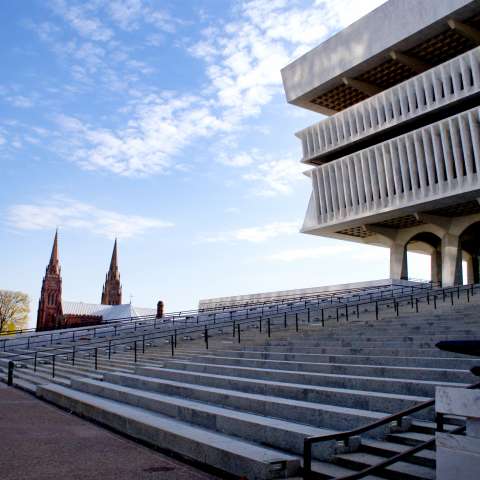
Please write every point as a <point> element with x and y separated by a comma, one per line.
<point>396,162</point>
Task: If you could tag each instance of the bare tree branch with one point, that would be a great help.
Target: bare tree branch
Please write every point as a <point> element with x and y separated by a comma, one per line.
<point>14,310</point>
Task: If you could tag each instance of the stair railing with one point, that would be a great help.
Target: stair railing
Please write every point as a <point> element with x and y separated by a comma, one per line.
<point>345,437</point>
<point>208,328</point>
<point>119,325</point>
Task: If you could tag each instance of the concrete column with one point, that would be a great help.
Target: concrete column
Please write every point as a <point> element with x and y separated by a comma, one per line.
<point>398,261</point>
<point>466,257</point>
<point>475,268</point>
<point>436,266</point>
<point>451,261</point>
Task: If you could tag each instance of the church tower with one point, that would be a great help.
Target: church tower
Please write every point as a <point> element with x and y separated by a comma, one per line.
<point>112,289</point>
<point>50,303</point>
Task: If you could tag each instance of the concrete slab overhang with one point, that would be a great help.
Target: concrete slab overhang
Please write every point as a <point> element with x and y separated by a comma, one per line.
<point>366,43</point>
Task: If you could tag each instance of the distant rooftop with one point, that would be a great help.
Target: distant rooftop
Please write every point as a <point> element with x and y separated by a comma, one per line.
<point>107,312</point>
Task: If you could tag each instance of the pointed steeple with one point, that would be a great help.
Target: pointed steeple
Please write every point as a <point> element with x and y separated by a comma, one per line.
<point>50,303</point>
<point>114,260</point>
<point>112,289</point>
<point>54,264</point>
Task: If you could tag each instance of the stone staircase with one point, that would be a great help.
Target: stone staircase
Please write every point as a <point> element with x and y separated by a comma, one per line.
<point>245,408</point>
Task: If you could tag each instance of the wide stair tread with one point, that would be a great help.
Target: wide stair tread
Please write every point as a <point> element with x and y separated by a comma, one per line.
<point>209,447</point>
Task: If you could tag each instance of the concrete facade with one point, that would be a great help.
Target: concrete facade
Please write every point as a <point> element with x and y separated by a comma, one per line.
<point>458,456</point>
<point>397,162</point>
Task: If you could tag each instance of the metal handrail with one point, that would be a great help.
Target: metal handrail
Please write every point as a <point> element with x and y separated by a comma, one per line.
<point>172,335</point>
<point>271,301</point>
<point>128,340</point>
<point>407,453</point>
<point>346,435</point>
<point>140,320</point>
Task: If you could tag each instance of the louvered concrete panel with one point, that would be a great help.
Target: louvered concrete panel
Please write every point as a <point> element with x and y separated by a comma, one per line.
<point>439,160</point>
<point>437,87</point>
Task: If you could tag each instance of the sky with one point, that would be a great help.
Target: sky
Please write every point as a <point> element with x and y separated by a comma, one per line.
<point>163,123</point>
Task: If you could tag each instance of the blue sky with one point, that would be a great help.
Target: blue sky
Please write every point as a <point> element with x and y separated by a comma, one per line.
<point>162,123</point>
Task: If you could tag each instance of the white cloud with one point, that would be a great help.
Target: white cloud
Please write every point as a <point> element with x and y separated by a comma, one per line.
<point>80,19</point>
<point>242,60</point>
<point>254,234</point>
<point>275,177</point>
<point>159,127</point>
<point>64,212</point>
<point>241,159</point>
<point>245,56</point>
<point>296,254</point>
<point>20,101</point>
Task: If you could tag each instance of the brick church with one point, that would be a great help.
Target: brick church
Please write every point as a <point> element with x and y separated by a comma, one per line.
<point>54,313</point>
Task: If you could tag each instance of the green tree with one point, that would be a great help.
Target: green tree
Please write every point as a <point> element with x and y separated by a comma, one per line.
<point>14,310</point>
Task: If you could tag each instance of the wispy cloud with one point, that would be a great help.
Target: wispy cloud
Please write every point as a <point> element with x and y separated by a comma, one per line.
<point>274,177</point>
<point>67,213</point>
<point>241,59</point>
<point>253,234</point>
<point>298,254</point>
<point>160,126</point>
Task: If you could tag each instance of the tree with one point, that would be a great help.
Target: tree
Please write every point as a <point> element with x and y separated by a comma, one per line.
<point>14,310</point>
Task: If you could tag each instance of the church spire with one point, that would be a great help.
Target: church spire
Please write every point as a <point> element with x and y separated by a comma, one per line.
<point>112,289</point>
<point>54,264</point>
<point>50,302</point>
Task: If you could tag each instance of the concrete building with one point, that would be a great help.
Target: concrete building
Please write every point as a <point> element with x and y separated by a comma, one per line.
<point>396,162</point>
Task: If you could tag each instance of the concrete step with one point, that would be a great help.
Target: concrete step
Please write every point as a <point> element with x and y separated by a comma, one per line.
<point>427,362</point>
<point>365,400</point>
<point>272,432</point>
<point>370,351</point>
<point>327,471</point>
<point>400,470</point>
<point>386,449</point>
<point>393,385</point>
<point>226,453</point>
<point>422,373</point>
<point>316,414</point>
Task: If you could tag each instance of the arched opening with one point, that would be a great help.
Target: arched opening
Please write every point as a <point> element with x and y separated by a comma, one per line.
<point>425,243</point>
<point>469,245</point>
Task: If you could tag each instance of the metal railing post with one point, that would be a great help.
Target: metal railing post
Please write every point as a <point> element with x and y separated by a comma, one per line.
<point>96,358</point>
<point>109,349</point>
<point>308,315</point>
<point>285,320</point>
<point>337,313</point>
<point>376,309</point>
<point>268,327</point>
<point>143,344</point>
<point>416,305</point>
<point>346,313</point>
<point>296,322</point>
<point>35,362</point>
<point>11,366</point>
<point>307,458</point>
<point>175,337</point>
<point>53,367</point>
<point>234,328</point>
<point>323,318</point>
<point>435,302</point>
<point>238,332</point>
<point>172,345</point>
<point>451,297</point>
